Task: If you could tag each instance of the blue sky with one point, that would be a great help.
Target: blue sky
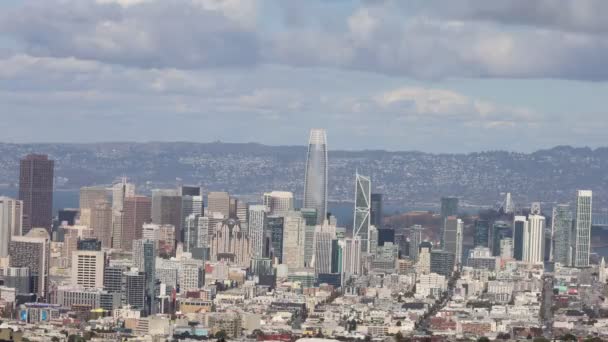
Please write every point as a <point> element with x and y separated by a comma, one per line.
<point>430,75</point>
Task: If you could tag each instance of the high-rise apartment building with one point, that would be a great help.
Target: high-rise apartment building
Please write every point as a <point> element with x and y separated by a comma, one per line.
<point>137,210</point>
<point>534,240</point>
<point>582,229</point>
<point>11,219</point>
<point>315,181</point>
<point>36,191</point>
<point>561,229</point>
<point>362,209</point>
<point>218,202</point>
<point>278,202</point>
<point>87,269</point>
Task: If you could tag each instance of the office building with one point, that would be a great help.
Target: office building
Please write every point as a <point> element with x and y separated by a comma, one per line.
<point>294,230</point>
<point>120,191</point>
<point>33,251</point>
<point>481,258</point>
<point>278,202</point>
<point>257,227</point>
<point>506,249</point>
<point>534,240</point>
<point>315,181</point>
<point>88,268</point>
<point>385,235</point>
<point>66,217</point>
<point>163,236</point>
<point>191,205</point>
<point>231,243</point>
<point>442,262</point>
<point>323,237</point>
<point>500,230</point>
<point>423,265</point>
<point>36,191</point>
<point>520,226</point>
<point>482,233</point>
<point>114,278</point>
<point>137,211</point>
<point>190,190</point>
<point>101,222</point>
<point>90,196</point>
<point>449,207</point>
<point>73,297</point>
<point>561,228</point>
<point>218,202</point>
<point>452,237</point>
<point>415,240</point>
<point>11,219</point>
<point>582,229</point>
<point>275,227</point>
<point>196,233</point>
<point>167,209</point>
<point>351,257</point>
<point>362,209</point>
<point>376,214</point>
<point>18,278</point>
<point>135,290</point>
<point>89,244</point>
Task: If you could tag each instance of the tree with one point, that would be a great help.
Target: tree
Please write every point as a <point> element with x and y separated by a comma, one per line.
<point>540,339</point>
<point>569,337</point>
<point>220,335</point>
<point>55,339</point>
<point>483,339</point>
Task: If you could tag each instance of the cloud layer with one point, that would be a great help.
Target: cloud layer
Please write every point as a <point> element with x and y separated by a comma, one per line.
<point>373,71</point>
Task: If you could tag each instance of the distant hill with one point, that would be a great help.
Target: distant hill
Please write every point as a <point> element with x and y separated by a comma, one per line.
<point>405,177</point>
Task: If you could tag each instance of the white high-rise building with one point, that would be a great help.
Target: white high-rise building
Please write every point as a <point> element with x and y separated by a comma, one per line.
<point>534,240</point>
<point>452,237</point>
<point>324,235</point>
<point>294,228</point>
<point>315,181</point>
<point>582,228</point>
<point>11,219</point>
<point>257,224</point>
<point>278,202</point>
<point>87,269</point>
<point>351,259</point>
<point>362,209</point>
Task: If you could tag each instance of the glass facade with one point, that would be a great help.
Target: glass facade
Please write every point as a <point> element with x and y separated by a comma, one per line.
<point>315,181</point>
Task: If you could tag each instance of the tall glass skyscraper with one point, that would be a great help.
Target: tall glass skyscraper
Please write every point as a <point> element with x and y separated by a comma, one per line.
<point>315,181</point>
<point>561,230</point>
<point>362,209</point>
<point>582,229</point>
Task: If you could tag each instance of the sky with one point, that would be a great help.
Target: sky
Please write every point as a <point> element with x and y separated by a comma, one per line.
<point>428,75</point>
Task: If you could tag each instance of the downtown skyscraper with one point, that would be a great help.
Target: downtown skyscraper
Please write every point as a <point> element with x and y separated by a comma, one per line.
<point>36,191</point>
<point>362,210</point>
<point>582,229</point>
<point>315,181</point>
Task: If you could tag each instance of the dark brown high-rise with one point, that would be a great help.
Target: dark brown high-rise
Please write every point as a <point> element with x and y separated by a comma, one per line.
<point>36,191</point>
<point>137,211</point>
